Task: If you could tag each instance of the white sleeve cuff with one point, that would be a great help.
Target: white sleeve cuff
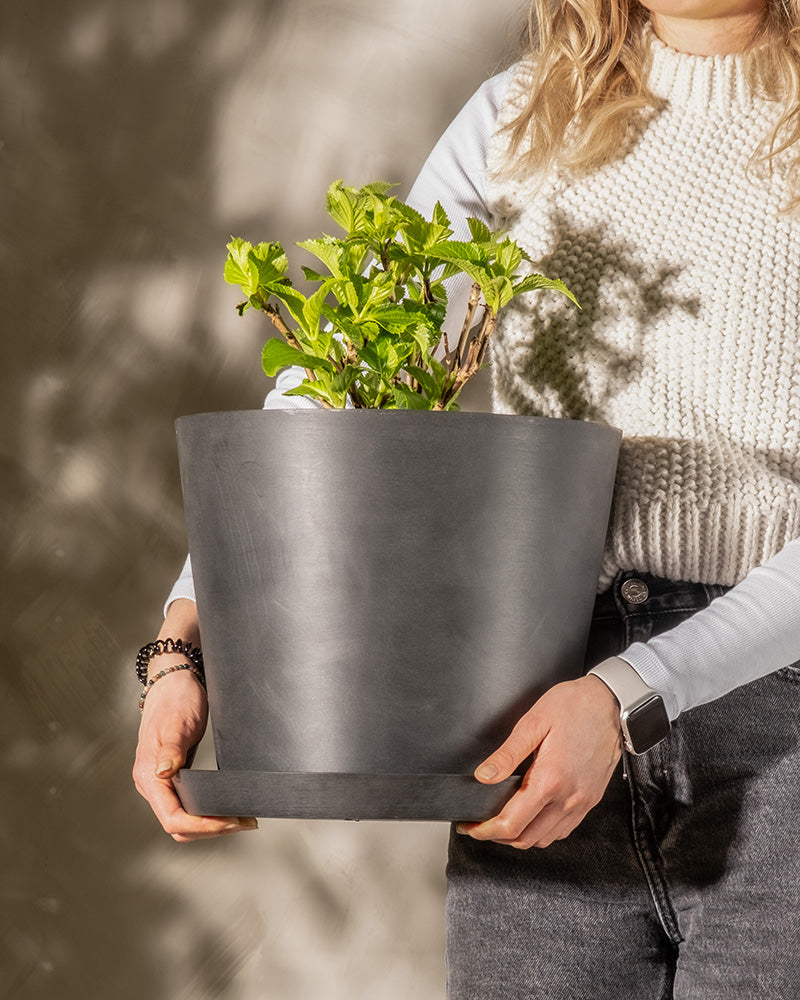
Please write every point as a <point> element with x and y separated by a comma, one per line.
<point>183,586</point>
<point>749,632</point>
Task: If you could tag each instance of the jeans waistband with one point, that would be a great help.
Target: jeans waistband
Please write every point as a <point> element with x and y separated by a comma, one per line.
<point>634,594</point>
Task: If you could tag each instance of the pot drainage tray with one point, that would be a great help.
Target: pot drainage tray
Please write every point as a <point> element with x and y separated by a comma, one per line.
<point>294,795</point>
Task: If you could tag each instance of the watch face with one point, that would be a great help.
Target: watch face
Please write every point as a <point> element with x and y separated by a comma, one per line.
<point>647,724</point>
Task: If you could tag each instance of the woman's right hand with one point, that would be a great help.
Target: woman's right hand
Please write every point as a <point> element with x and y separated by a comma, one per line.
<point>173,722</point>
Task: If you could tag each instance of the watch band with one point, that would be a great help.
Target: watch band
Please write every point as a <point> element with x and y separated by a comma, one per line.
<point>625,684</point>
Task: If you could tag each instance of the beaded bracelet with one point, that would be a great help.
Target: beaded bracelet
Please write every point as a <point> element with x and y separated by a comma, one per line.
<point>170,670</point>
<point>146,654</point>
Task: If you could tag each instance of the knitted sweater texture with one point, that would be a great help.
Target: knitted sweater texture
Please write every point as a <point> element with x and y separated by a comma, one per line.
<point>688,337</point>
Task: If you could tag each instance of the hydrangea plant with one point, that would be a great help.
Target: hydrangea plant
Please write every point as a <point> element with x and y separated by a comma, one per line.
<point>371,333</point>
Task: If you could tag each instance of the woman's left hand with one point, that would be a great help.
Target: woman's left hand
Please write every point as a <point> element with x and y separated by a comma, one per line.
<point>573,730</point>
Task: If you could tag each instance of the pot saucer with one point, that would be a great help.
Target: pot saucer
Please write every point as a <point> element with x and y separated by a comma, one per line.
<point>294,795</point>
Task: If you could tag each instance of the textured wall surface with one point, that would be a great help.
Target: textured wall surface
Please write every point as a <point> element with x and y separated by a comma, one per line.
<point>135,137</point>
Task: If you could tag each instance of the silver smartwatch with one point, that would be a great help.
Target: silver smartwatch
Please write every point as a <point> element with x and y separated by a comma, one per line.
<point>642,715</point>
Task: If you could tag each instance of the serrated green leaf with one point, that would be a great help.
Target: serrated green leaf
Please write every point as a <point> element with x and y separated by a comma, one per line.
<point>378,187</point>
<point>537,282</point>
<point>329,250</point>
<point>277,354</point>
<point>293,300</point>
<point>269,261</point>
<point>385,356</point>
<point>318,390</point>
<point>405,398</point>
<point>340,205</point>
<point>312,311</point>
<point>425,378</point>
<point>497,292</point>
<point>343,380</point>
<point>458,250</point>
<point>509,256</point>
<point>440,216</point>
<point>479,230</point>
<point>238,269</point>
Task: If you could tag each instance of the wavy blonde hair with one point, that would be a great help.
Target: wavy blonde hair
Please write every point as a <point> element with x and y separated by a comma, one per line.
<point>589,64</point>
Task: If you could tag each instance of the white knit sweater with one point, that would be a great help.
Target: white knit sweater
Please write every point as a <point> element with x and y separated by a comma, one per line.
<point>687,340</point>
<point>689,336</point>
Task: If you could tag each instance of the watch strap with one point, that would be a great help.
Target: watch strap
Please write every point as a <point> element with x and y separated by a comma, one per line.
<point>624,682</point>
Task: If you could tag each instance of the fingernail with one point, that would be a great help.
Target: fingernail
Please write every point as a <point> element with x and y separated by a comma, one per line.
<point>240,823</point>
<point>486,772</point>
<point>164,768</point>
<point>462,829</point>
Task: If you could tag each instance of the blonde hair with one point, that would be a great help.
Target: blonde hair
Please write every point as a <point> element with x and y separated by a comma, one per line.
<point>588,60</point>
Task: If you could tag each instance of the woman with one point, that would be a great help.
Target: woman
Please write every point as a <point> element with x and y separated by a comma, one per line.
<point>647,154</point>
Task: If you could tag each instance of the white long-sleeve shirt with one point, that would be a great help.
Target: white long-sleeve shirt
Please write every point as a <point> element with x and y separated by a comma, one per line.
<point>755,628</point>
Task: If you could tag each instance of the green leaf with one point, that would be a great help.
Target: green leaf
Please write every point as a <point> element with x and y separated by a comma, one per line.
<point>440,216</point>
<point>277,354</point>
<point>429,384</point>
<point>316,390</point>
<point>378,187</point>
<point>406,399</point>
<point>537,282</point>
<point>238,269</point>
<point>329,250</point>
<point>293,300</point>
<point>479,230</point>
<point>269,262</point>
<point>497,292</point>
<point>341,205</point>
<point>459,251</point>
<point>385,356</point>
<point>312,314</point>
<point>343,380</point>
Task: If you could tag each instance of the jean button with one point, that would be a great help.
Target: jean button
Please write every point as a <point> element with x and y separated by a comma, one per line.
<point>635,591</point>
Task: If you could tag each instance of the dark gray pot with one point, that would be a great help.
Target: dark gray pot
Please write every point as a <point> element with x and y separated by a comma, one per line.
<point>381,596</point>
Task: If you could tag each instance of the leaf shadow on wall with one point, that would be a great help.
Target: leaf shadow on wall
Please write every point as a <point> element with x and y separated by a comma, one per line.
<point>106,142</point>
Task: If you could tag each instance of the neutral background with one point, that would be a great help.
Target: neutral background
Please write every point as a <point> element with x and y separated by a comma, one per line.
<point>135,137</point>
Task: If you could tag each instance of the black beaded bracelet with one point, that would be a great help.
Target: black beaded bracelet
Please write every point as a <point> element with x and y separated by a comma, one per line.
<point>146,654</point>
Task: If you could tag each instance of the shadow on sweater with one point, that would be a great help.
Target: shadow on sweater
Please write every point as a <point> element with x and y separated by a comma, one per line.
<point>562,366</point>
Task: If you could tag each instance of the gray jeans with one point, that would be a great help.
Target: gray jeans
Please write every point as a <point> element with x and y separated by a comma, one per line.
<point>684,882</point>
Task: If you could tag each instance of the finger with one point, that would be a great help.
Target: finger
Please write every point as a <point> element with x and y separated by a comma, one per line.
<point>516,815</point>
<point>522,741</point>
<point>182,826</point>
<point>170,758</point>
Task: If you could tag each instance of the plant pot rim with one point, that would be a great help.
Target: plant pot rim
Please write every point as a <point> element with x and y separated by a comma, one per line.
<point>352,413</point>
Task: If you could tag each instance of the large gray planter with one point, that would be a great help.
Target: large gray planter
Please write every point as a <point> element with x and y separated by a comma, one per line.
<point>381,596</point>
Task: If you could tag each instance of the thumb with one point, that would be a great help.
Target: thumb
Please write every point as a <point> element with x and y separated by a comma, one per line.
<point>171,757</point>
<point>523,740</point>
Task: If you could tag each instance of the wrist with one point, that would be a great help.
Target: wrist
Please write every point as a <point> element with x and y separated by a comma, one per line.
<point>186,667</point>
<point>604,698</point>
<point>643,717</point>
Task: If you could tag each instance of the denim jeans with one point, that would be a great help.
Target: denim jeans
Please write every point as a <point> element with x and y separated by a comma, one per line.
<point>684,882</point>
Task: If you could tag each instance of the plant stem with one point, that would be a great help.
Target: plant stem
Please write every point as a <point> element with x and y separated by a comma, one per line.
<point>476,352</point>
<point>474,299</point>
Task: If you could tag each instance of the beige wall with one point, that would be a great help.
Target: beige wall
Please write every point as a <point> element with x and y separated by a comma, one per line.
<point>135,137</point>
